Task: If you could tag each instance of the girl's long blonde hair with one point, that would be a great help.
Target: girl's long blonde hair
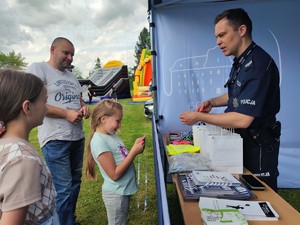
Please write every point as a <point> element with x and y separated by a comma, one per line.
<point>106,107</point>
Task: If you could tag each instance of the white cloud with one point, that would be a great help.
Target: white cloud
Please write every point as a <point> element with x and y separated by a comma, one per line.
<point>105,29</point>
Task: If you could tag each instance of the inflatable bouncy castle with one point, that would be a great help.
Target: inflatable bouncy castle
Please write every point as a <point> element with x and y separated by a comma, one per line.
<point>143,78</point>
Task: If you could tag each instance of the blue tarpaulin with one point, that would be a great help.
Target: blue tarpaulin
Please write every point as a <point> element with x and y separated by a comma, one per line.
<point>188,67</point>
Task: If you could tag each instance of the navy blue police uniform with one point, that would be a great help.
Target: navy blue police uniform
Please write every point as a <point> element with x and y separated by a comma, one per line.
<point>253,89</point>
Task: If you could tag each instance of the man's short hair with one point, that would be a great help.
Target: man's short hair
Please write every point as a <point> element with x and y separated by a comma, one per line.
<point>58,40</point>
<point>236,18</point>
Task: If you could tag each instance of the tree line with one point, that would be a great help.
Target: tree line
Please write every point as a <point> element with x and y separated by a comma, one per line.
<point>12,60</point>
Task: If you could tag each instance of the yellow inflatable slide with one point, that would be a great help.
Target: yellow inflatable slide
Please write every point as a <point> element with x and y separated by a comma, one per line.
<point>143,78</point>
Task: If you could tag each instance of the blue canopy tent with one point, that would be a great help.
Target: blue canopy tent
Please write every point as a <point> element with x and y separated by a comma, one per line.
<point>188,68</point>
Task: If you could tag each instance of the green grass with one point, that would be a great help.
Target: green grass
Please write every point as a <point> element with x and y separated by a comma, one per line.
<point>292,196</point>
<point>90,207</point>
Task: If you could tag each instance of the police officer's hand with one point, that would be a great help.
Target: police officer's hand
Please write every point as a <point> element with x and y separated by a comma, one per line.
<point>189,117</point>
<point>205,106</point>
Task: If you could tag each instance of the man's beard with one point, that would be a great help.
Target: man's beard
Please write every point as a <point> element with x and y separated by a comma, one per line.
<point>64,64</point>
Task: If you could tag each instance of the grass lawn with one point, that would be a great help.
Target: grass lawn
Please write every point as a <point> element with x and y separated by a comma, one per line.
<point>90,207</point>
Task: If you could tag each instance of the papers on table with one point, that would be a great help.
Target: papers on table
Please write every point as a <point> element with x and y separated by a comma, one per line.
<point>192,190</point>
<point>251,210</point>
<point>213,178</point>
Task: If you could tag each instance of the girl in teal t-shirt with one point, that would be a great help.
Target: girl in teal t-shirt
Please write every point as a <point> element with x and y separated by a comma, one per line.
<point>107,150</point>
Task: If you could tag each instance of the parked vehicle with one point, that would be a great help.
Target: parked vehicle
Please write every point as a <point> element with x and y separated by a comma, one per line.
<point>148,108</point>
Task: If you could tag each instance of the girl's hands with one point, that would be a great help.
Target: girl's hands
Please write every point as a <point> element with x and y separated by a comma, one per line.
<point>139,145</point>
<point>141,139</point>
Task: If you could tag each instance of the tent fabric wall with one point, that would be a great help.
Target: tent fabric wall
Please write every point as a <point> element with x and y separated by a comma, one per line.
<point>190,68</point>
<point>162,203</point>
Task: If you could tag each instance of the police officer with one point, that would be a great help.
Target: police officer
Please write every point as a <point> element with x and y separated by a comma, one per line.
<point>253,97</point>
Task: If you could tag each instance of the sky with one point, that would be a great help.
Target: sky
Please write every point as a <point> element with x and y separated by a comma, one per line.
<point>107,29</point>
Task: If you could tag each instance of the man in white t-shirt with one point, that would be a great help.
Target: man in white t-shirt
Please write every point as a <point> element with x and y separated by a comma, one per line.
<point>61,136</point>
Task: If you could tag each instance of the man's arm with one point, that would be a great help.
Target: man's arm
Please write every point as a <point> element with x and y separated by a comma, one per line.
<point>207,105</point>
<point>86,112</point>
<point>228,120</point>
<point>220,101</point>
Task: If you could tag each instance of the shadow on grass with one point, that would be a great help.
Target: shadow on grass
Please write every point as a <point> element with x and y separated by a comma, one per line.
<point>292,196</point>
<point>174,205</point>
